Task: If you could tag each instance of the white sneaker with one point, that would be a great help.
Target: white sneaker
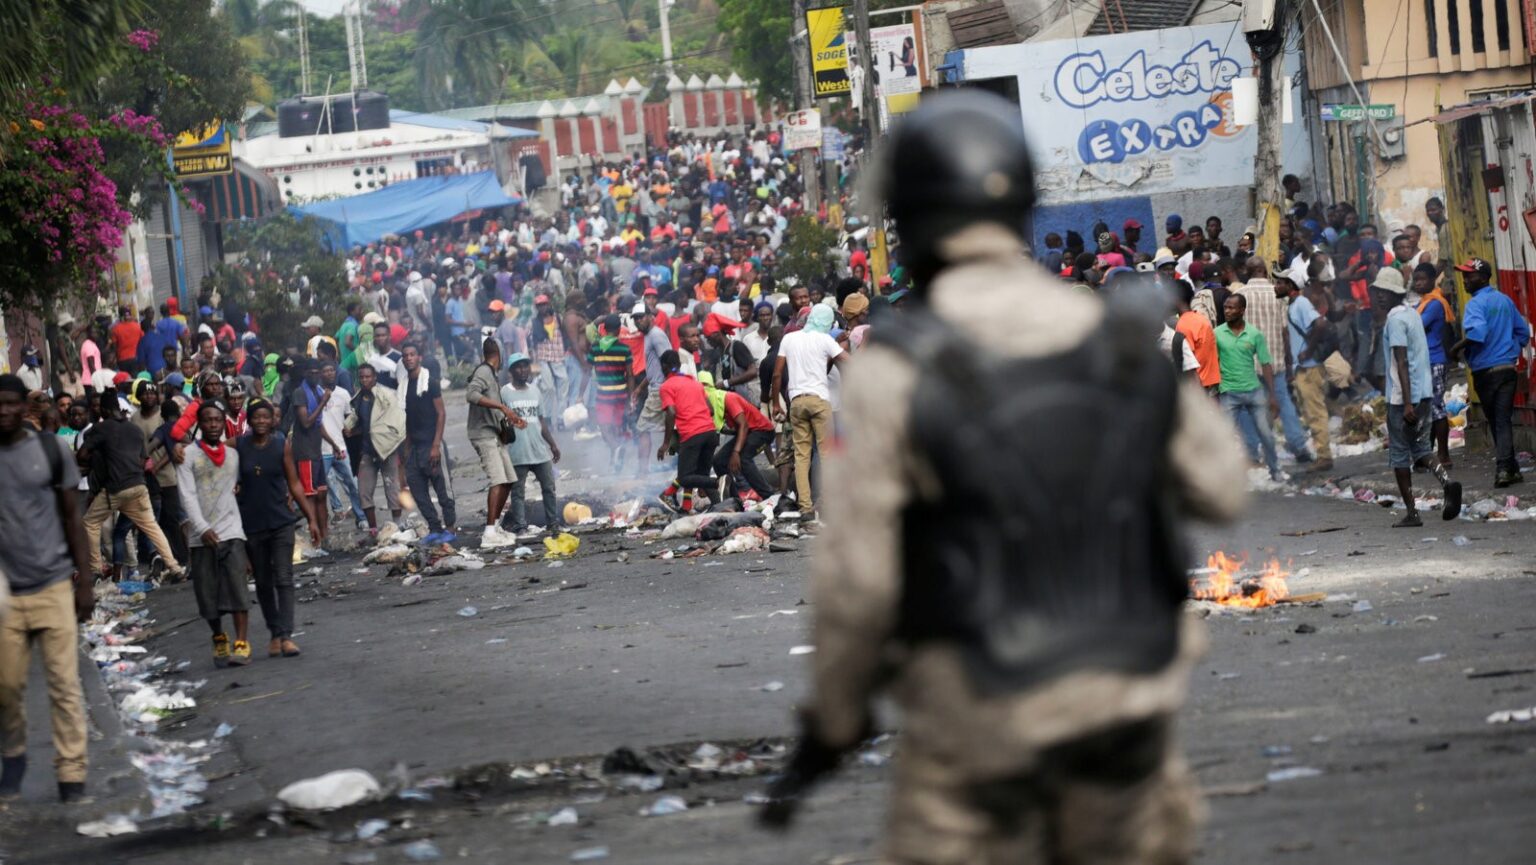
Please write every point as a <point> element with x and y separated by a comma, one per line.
<point>494,538</point>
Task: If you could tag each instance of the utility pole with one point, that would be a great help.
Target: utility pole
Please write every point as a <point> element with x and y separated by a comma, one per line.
<point>1264,21</point>
<point>867,64</point>
<point>303,53</point>
<point>800,54</point>
<point>665,10</point>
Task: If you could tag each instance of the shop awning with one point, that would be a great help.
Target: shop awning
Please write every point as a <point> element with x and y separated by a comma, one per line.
<point>1472,109</point>
<point>407,205</point>
<point>244,193</point>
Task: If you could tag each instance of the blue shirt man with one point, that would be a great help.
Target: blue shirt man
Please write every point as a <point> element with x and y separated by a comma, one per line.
<point>1493,328</point>
<point>151,353</point>
<point>1301,315</point>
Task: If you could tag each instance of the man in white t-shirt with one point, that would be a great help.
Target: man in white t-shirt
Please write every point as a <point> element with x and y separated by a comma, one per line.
<point>333,448</point>
<point>805,360</point>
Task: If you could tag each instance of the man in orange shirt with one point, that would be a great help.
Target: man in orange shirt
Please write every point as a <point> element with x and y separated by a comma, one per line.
<point>1199,334</point>
<point>125,338</point>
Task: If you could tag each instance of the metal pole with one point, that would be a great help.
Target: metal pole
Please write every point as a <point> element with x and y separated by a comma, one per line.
<point>800,54</point>
<point>178,251</point>
<point>867,63</point>
<point>666,34</point>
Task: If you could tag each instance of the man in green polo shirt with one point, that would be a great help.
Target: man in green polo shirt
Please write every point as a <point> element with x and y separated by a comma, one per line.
<point>1240,349</point>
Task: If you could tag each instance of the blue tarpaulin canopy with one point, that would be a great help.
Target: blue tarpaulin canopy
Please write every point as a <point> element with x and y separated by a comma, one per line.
<point>407,205</point>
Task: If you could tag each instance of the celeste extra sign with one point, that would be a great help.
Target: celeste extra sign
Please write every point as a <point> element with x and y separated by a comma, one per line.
<point>1093,79</point>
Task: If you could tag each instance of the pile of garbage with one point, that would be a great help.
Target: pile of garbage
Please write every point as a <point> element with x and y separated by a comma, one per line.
<point>726,532</point>
<point>1509,508</point>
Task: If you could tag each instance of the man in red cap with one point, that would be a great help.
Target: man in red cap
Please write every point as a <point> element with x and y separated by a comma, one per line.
<point>1130,235</point>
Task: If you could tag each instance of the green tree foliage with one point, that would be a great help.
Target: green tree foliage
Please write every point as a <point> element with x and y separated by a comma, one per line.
<point>759,32</point>
<point>65,43</point>
<point>806,249</point>
<point>285,275</point>
<point>463,46</point>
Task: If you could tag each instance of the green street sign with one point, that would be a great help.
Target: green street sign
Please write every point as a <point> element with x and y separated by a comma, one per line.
<point>1337,111</point>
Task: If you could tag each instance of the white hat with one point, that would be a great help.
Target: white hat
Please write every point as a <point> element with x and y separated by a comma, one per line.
<point>1390,279</point>
<point>448,262</point>
<point>313,321</point>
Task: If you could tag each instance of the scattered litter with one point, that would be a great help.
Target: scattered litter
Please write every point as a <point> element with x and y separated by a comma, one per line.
<point>1306,628</point>
<point>576,512</point>
<point>422,851</point>
<point>330,791</point>
<point>388,555</point>
<point>561,546</point>
<point>556,564</point>
<point>1292,773</point>
<point>564,817</point>
<point>746,539</point>
<point>369,828</point>
<point>1429,659</point>
<point>664,806</point>
<point>684,527</point>
<point>148,700</point>
<point>469,612</point>
<point>771,687</point>
<point>590,854</point>
<point>412,580</point>
<point>495,641</point>
<point>459,562</point>
<point>135,587</point>
<point>107,827</point>
<point>522,553</point>
<point>1518,716</point>
<point>873,758</point>
<point>1362,606</point>
<point>1275,750</point>
<point>223,730</point>
<point>1461,540</point>
<point>802,650</point>
<point>1421,619</point>
<point>411,794</point>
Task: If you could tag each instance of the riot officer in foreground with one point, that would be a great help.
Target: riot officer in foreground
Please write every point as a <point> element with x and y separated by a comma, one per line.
<point>1002,550</point>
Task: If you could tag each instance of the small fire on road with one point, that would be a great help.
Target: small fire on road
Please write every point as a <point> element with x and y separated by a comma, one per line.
<point>1223,581</point>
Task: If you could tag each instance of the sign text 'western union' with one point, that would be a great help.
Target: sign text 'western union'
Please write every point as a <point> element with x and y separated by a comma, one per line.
<point>829,52</point>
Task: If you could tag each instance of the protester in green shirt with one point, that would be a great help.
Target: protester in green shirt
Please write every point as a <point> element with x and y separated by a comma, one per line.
<point>1240,349</point>
<point>346,337</point>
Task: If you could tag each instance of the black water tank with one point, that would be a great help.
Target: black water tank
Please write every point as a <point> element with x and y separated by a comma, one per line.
<point>304,115</point>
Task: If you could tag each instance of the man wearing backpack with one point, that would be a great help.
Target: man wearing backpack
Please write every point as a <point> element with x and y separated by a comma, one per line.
<point>1019,591</point>
<point>43,553</point>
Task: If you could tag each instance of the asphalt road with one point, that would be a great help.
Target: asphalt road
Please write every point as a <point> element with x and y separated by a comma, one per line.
<point>564,663</point>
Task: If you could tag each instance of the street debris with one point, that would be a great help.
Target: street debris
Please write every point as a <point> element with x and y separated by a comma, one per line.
<point>771,687</point>
<point>576,513</point>
<point>1460,540</point>
<point>664,806</point>
<point>1223,582</point>
<point>387,555</point>
<point>1292,773</point>
<point>369,828</point>
<point>1430,659</point>
<point>564,817</point>
<point>469,612</point>
<point>107,827</point>
<point>561,546</point>
<point>1305,628</point>
<point>802,650</point>
<point>330,791</point>
<point>1361,606</point>
<point>590,854</point>
<point>421,851</point>
<point>1517,716</point>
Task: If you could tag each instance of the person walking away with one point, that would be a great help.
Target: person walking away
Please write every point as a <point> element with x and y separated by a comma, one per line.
<point>307,406</point>
<point>803,368</point>
<point>333,449</point>
<point>651,418</point>
<point>534,451</point>
<point>422,398</point>
<point>1311,342</point>
<point>1410,392</point>
<point>1438,317</point>
<point>1198,334</point>
<point>492,425</point>
<point>1493,336</point>
<point>148,419</point>
<point>206,479</point>
<point>1059,747</point>
<point>1266,311</point>
<point>1240,347</point>
<point>736,461</point>
<point>269,478</point>
<point>161,446</point>
<point>47,566</point>
<point>116,451</point>
<point>690,432</point>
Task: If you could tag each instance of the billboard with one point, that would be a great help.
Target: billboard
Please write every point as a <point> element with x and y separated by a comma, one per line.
<point>829,52</point>
<point>202,153</point>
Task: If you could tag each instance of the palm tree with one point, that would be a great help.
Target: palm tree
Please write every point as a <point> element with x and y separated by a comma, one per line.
<point>68,42</point>
<point>464,47</point>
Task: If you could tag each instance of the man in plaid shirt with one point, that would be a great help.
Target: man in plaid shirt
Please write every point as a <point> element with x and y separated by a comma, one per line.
<point>548,344</point>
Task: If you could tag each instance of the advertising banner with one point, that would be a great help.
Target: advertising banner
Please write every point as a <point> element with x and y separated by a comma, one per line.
<point>829,52</point>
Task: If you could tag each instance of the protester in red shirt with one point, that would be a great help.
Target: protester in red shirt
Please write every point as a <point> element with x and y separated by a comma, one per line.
<point>125,338</point>
<point>736,461</point>
<point>690,430</point>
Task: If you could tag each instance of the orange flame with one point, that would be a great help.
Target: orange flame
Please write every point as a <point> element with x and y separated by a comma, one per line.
<point>1225,583</point>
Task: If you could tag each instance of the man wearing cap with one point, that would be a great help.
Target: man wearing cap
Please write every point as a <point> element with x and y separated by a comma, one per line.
<point>1130,235</point>
<point>1494,335</point>
<point>1410,389</point>
<point>31,372</point>
<point>547,339</point>
<point>1173,227</point>
<point>803,368</point>
<point>534,451</point>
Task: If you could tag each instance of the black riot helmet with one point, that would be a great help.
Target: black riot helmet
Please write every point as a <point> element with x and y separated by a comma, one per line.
<point>958,160</point>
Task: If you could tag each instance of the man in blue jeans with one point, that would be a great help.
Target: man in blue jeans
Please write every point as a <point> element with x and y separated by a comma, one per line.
<point>1493,336</point>
<point>1267,313</point>
<point>534,451</point>
<point>1238,346</point>
<point>426,470</point>
<point>338,468</point>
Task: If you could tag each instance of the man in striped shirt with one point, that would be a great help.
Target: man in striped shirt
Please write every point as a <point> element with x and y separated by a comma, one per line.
<point>611,363</point>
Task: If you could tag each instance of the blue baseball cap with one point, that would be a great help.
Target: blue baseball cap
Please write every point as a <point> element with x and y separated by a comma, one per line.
<point>516,358</point>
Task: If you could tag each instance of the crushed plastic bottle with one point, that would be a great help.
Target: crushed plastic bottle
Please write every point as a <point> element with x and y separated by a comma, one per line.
<point>223,731</point>
<point>590,854</point>
<point>664,806</point>
<point>564,817</point>
<point>469,612</point>
<point>1293,773</point>
<point>1461,540</point>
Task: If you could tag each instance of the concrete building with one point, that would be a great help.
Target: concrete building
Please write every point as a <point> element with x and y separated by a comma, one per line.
<point>1416,56</point>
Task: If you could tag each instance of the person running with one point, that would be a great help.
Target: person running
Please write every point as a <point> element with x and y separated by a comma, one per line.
<point>736,461</point>
<point>269,479</point>
<point>1493,336</point>
<point>648,393</point>
<point>206,479</point>
<point>1410,391</point>
<point>1310,339</point>
<point>374,432</point>
<point>1437,316</point>
<point>492,425</point>
<point>425,473</point>
<point>803,370</point>
<point>534,451</point>
<point>44,555</point>
<point>1239,348</point>
<point>116,451</point>
<point>690,432</point>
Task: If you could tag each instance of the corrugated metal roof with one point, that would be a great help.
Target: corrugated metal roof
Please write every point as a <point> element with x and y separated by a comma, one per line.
<point>1472,109</point>
<point>1129,16</point>
<point>436,121</point>
<point>518,110</point>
